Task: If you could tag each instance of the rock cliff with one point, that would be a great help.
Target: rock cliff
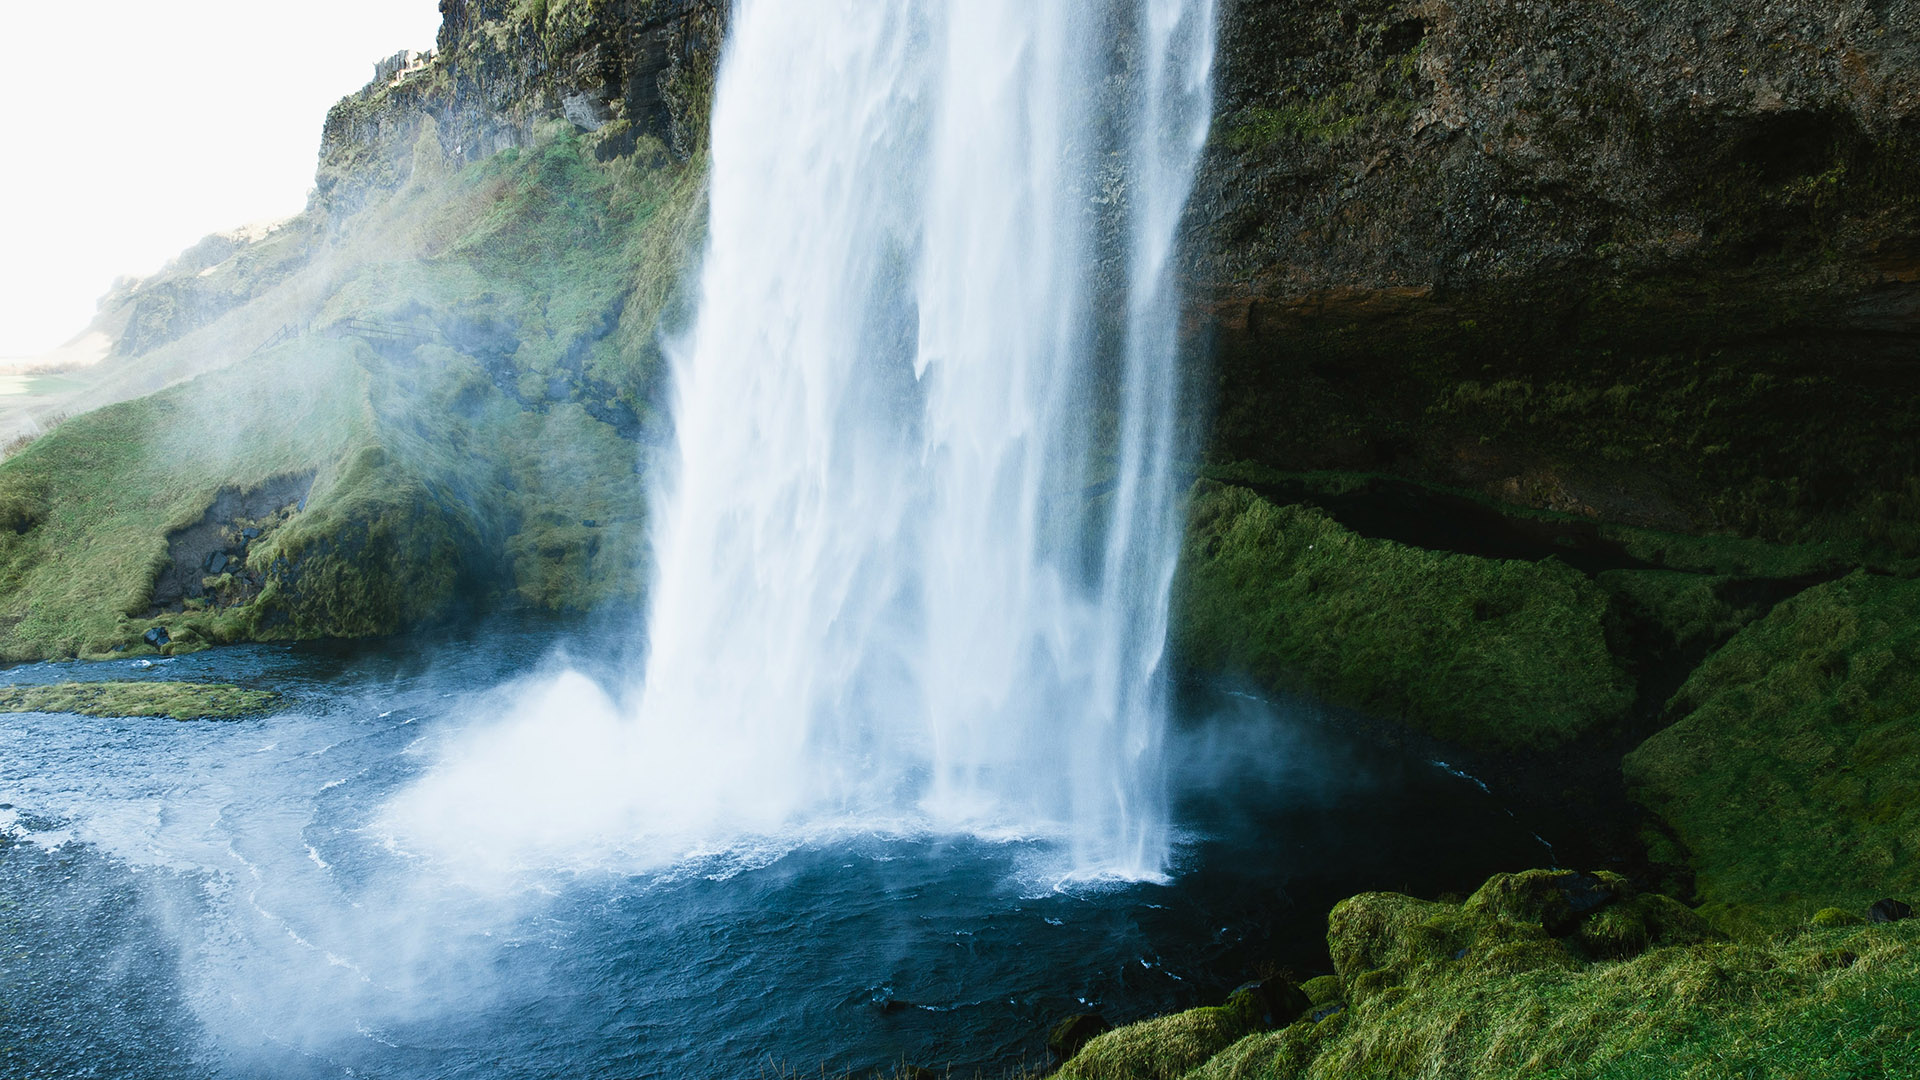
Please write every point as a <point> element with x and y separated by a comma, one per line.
<point>1641,261</point>
<point>620,70</point>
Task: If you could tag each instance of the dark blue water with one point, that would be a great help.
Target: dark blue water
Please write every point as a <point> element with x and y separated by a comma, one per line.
<point>212,899</point>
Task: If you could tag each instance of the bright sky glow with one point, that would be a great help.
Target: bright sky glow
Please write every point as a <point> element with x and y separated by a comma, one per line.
<point>132,128</point>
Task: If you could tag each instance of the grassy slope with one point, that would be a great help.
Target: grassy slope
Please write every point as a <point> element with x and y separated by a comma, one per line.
<point>1639,988</point>
<point>1791,773</point>
<point>471,463</point>
<point>90,504</point>
<point>1496,653</point>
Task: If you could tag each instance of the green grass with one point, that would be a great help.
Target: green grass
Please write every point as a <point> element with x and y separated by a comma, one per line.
<point>1790,773</point>
<point>1489,653</point>
<point>482,467</point>
<point>1639,988</point>
<point>1698,612</point>
<point>1162,1049</point>
<point>175,700</point>
<point>88,507</point>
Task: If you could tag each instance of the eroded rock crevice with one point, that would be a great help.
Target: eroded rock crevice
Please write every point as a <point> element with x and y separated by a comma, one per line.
<point>208,560</point>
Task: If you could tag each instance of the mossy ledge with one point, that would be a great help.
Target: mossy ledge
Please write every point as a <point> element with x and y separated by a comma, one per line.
<point>1562,974</point>
<point>1495,653</point>
<point>173,700</point>
<point>1788,772</point>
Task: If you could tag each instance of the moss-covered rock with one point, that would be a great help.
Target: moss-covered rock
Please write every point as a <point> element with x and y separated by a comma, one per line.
<point>1485,989</point>
<point>175,700</point>
<point>1792,774</point>
<point>1159,1049</point>
<point>1829,917</point>
<point>1490,653</point>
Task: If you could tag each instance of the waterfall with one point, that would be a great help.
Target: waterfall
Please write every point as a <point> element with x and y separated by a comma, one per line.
<point>924,523</point>
<point>912,554</point>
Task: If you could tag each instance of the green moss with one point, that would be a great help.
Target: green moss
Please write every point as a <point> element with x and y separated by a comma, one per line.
<point>1328,119</point>
<point>176,700</point>
<point>1792,774</point>
<point>1479,651</point>
<point>1158,1049</point>
<point>1832,916</point>
<point>1484,989</point>
<point>1322,989</point>
<point>1696,612</point>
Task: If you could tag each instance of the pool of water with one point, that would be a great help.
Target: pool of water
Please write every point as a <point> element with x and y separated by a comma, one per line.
<point>216,899</point>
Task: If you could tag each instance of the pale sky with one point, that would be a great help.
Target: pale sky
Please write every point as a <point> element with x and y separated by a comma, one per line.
<point>131,128</point>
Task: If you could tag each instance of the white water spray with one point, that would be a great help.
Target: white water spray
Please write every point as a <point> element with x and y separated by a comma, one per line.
<point>913,564</point>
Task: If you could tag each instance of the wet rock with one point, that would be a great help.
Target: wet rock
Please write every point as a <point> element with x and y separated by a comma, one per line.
<point>1889,910</point>
<point>1069,1035</point>
<point>249,534</point>
<point>157,637</point>
<point>217,562</point>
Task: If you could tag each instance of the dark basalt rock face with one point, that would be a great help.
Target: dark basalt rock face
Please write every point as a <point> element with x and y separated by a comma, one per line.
<point>1649,262</point>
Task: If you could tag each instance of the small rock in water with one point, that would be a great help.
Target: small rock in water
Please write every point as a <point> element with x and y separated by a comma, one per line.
<point>1069,1035</point>
<point>589,523</point>
<point>250,534</point>
<point>156,637</point>
<point>1889,910</point>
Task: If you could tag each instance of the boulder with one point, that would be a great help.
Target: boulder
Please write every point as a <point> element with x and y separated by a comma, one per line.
<point>1889,910</point>
<point>157,637</point>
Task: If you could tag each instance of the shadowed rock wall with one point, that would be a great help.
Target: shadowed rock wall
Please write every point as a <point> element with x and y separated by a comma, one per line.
<point>1644,261</point>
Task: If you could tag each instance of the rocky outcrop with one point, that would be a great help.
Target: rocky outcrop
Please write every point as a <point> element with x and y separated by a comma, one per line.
<point>1648,262</point>
<point>625,71</point>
